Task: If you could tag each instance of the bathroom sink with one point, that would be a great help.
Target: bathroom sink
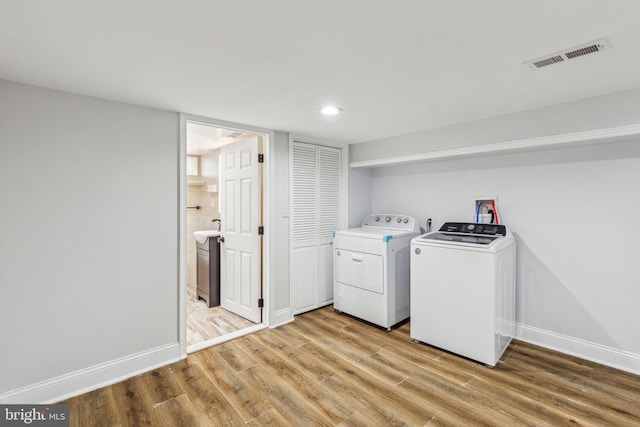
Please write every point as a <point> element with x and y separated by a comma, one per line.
<point>203,235</point>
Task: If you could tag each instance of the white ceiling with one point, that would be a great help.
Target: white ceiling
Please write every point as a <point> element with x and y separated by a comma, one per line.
<point>394,67</point>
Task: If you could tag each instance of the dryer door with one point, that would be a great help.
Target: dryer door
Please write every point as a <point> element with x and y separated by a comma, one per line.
<point>359,269</point>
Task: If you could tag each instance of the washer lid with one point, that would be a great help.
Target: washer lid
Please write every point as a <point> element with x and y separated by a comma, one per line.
<point>460,238</point>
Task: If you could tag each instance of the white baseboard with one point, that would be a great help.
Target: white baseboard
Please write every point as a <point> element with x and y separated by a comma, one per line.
<point>604,355</point>
<point>281,317</point>
<point>85,380</point>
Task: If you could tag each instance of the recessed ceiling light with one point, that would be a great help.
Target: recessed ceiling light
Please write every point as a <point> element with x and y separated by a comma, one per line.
<point>331,110</point>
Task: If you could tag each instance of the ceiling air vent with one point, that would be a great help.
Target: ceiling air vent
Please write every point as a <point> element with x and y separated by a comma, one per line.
<point>229,133</point>
<point>568,54</point>
<point>548,61</point>
<point>583,51</point>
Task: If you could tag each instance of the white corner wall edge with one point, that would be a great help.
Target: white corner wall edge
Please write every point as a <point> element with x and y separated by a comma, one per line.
<point>94,377</point>
<point>281,317</point>
<point>598,136</point>
<point>601,354</point>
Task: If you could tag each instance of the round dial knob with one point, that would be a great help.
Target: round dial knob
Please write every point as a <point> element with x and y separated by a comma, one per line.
<point>398,220</point>
<point>406,220</point>
<point>377,219</point>
<point>387,219</point>
<point>470,227</point>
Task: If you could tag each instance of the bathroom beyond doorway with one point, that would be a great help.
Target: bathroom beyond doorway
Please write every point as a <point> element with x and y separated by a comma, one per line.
<point>204,201</point>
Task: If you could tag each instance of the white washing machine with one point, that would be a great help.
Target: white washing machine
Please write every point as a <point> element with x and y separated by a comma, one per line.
<point>371,269</point>
<point>463,289</point>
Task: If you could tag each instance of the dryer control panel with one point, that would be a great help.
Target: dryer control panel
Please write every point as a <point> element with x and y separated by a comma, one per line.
<point>391,222</point>
<point>474,228</point>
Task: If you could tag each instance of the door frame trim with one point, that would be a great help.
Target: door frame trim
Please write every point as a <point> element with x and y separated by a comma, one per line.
<point>267,272</point>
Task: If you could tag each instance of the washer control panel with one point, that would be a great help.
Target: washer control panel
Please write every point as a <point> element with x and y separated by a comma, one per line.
<point>390,221</point>
<point>473,228</point>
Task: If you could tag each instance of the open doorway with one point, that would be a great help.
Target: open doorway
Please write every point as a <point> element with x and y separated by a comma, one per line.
<point>222,238</point>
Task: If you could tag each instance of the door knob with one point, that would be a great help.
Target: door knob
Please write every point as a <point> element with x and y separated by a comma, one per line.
<point>220,239</point>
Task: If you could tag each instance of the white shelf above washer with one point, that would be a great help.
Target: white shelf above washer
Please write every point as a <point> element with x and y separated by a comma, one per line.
<point>573,139</point>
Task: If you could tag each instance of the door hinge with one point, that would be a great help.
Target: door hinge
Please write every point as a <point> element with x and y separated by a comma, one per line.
<point>260,158</point>
<point>261,303</point>
<point>260,230</point>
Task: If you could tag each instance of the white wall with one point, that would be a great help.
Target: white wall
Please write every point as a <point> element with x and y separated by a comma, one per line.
<point>210,172</point>
<point>210,165</point>
<point>89,246</point>
<point>359,203</point>
<point>89,250</point>
<point>280,294</point>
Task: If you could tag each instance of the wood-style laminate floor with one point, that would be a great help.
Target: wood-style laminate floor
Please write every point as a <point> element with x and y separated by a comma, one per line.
<point>204,323</point>
<point>330,369</point>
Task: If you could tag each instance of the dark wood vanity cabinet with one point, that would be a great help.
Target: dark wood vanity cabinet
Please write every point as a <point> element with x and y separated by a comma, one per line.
<point>208,271</point>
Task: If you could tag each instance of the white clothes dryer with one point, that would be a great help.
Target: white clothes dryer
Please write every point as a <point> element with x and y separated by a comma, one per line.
<point>463,289</point>
<point>371,269</point>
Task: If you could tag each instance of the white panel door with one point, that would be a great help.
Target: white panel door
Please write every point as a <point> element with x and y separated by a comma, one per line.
<point>240,244</point>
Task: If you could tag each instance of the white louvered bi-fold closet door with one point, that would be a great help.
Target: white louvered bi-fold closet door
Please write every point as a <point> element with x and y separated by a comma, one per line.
<point>315,215</point>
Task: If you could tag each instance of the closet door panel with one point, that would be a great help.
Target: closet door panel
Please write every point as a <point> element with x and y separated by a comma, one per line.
<point>304,228</point>
<point>304,207</point>
<point>329,191</point>
<point>304,279</point>
<point>315,215</point>
<point>329,211</point>
<point>325,274</point>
